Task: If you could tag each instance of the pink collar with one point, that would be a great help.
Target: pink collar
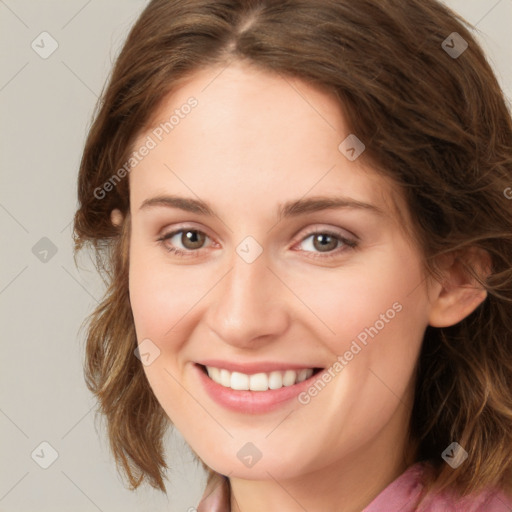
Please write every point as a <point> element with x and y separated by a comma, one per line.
<point>402,494</point>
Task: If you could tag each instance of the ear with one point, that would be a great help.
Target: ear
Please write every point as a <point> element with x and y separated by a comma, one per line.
<point>116,217</point>
<point>459,294</point>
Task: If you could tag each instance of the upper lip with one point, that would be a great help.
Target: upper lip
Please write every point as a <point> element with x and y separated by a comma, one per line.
<point>254,367</point>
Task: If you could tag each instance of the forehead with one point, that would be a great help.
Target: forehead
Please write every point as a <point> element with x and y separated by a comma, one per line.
<point>251,134</point>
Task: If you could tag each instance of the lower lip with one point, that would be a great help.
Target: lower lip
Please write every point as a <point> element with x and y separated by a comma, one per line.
<point>252,402</point>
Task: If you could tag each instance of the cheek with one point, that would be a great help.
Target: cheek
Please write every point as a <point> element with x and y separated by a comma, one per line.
<point>162,295</point>
<point>380,319</point>
<point>376,297</point>
<point>373,319</point>
<point>160,300</point>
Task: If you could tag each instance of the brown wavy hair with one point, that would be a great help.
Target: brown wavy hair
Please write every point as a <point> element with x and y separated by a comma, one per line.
<point>438,126</point>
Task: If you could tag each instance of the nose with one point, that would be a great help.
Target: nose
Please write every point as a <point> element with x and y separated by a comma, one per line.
<point>248,307</point>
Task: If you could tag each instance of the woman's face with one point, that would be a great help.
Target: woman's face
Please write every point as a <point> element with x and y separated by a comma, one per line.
<point>270,283</point>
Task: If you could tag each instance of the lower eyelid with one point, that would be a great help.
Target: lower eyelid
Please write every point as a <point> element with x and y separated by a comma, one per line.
<point>346,245</point>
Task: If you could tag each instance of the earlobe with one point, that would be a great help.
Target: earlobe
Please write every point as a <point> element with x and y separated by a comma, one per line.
<point>116,217</point>
<point>460,294</point>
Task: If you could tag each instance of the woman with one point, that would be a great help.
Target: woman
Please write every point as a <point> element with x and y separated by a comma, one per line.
<point>301,210</point>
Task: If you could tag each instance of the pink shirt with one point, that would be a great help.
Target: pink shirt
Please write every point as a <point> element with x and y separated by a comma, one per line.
<point>400,495</point>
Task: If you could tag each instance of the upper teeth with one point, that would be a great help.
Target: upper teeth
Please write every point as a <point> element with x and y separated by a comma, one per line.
<point>257,381</point>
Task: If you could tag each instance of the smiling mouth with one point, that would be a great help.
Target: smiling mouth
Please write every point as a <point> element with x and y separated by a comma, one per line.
<point>263,381</point>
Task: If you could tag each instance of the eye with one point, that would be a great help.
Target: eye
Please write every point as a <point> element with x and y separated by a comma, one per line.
<point>190,239</point>
<point>186,242</point>
<point>326,244</point>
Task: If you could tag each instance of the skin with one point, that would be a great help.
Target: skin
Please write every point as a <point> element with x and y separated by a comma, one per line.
<point>255,141</point>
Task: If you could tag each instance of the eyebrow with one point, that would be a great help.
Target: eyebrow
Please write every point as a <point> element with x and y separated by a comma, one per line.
<point>289,209</point>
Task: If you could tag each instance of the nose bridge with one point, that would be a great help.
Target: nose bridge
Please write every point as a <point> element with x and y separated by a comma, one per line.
<point>249,303</point>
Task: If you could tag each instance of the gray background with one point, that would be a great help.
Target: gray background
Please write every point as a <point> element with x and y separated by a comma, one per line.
<point>45,110</point>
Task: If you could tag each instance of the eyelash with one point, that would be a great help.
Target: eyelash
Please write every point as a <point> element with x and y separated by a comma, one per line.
<point>348,244</point>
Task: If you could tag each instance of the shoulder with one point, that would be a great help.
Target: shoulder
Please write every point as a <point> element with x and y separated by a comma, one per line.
<point>406,494</point>
<point>488,500</point>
